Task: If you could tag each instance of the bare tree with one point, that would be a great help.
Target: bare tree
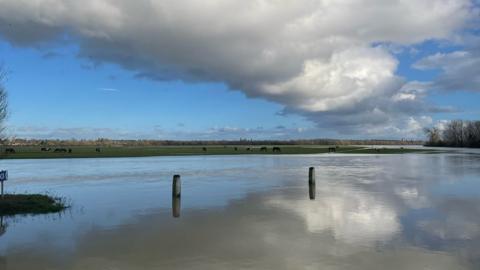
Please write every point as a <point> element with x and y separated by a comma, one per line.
<point>434,136</point>
<point>457,133</point>
<point>454,133</point>
<point>472,134</point>
<point>3,103</point>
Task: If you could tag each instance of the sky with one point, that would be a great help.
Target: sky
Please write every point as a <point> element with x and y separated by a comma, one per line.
<point>253,69</point>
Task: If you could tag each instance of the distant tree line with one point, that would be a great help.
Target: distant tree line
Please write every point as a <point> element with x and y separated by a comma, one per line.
<point>457,133</point>
<point>114,143</point>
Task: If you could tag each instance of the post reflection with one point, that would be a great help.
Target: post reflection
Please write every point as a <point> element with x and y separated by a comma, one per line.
<point>175,206</point>
<point>311,190</point>
<point>311,183</point>
<point>3,226</point>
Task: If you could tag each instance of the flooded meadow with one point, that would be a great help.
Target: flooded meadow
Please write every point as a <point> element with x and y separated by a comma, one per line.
<point>410,211</point>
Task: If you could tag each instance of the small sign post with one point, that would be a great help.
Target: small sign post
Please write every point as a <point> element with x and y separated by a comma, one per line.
<point>3,178</point>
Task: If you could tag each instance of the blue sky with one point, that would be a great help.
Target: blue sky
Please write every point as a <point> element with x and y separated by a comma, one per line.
<point>70,78</point>
<point>65,92</point>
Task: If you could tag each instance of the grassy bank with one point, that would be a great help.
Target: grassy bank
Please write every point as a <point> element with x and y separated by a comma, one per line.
<point>24,152</point>
<point>13,204</point>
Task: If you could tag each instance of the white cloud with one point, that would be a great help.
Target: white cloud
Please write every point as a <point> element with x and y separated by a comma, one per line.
<point>314,57</point>
<point>156,132</point>
<point>348,78</point>
<point>459,69</point>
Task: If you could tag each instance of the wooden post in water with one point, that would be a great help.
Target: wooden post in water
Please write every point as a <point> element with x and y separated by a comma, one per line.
<point>176,186</point>
<point>311,183</point>
<point>311,175</point>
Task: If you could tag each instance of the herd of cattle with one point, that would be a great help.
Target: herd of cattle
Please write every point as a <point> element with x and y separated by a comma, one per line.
<point>57,150</point>
<point>98,150</point>
<point>69,150</point>
<point>262,149</point>
<point>48,149</point>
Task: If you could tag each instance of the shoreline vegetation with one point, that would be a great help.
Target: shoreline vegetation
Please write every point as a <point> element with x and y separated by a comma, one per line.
<point>455,133</point>
<point>14,204</point>
<point>38,152</point>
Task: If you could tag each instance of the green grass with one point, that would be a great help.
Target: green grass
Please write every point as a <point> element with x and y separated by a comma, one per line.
<point>24,152</point>
<point>13,204</point>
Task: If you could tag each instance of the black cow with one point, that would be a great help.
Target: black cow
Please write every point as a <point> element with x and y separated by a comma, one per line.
<point>276,149</point>
<point>60,150</point>
<point>204,149</point>
<point>332,149</point>
<point>263,149</point>
<point>235,148</point>
<point>97,149</point>
<point>10,150</point>
<point>45,149</point>
<point>248,149</point>
<point>69,150</point>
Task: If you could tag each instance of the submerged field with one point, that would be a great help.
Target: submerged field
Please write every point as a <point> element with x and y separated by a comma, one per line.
<point>89,152</point>
<point>395,212</point>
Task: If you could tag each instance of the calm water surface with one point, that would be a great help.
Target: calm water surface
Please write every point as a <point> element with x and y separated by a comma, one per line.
<point>412,211</point>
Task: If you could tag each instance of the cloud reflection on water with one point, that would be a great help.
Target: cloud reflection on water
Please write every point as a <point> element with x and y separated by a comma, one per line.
<point>394,212</point>
<point>351,215</point>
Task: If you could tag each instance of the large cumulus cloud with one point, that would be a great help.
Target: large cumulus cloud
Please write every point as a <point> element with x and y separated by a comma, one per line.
<point>317,58</point>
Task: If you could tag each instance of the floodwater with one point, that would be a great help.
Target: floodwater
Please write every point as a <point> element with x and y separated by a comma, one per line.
<point>411,211</point>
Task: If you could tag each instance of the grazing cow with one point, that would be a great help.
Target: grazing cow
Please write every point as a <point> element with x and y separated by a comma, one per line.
<point>97,149</point>
<point>60,150</point>
<point>204,149</point>
<point>276,149</point>
<point>332,149</point>
<point>235,148</point>
<point>10,150</point>
<point>69,150</point>
<point>248,149</point>
<point>45,149</point>
<point>263,149</point>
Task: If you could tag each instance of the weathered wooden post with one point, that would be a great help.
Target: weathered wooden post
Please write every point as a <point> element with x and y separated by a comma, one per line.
<point>176,206</point>
<point>176,186</point>
<point>311,175</point>
<point>311,183</point>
